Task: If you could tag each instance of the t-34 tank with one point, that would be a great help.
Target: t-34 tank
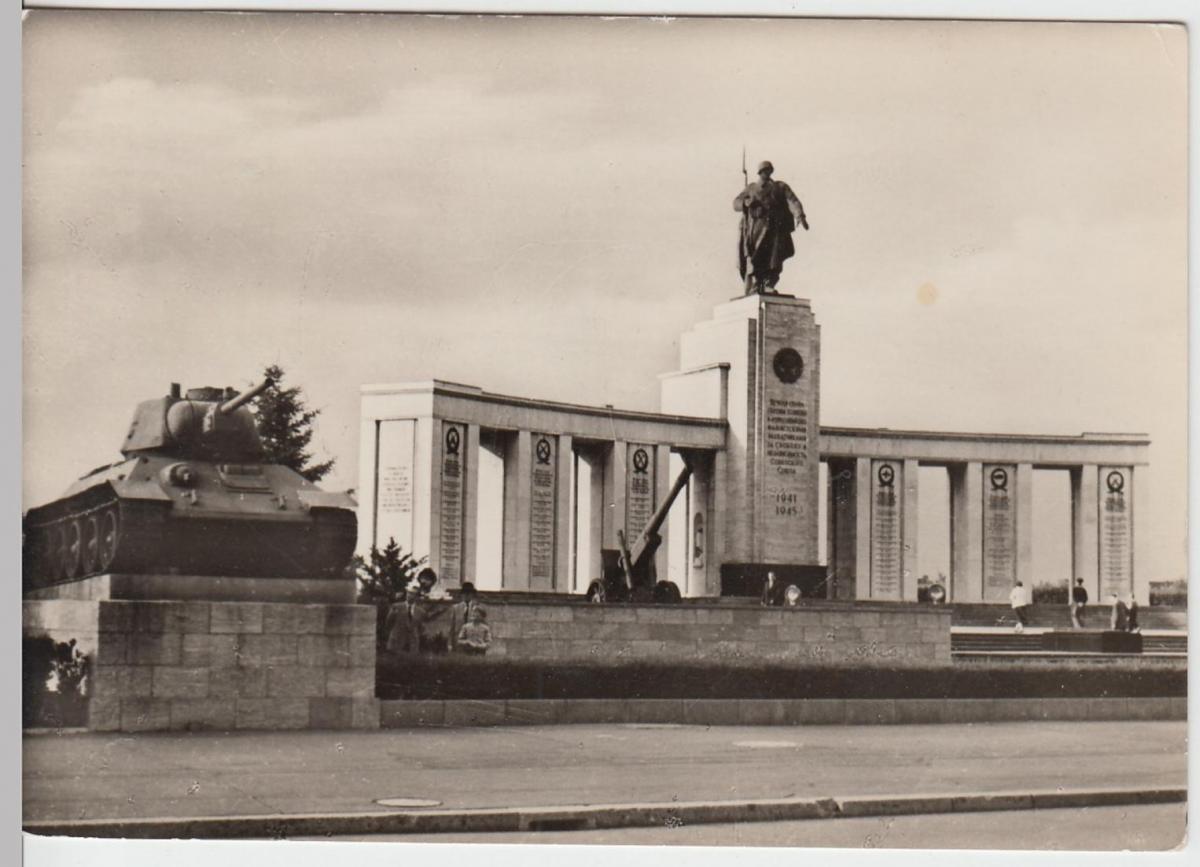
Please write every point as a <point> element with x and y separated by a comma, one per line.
<point>192,497</point>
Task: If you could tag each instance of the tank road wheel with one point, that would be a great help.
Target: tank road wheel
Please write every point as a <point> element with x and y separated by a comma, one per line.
<point>72,547</point>
<point>58,556</point>
<point>107,539</point>
<point>91,543</point>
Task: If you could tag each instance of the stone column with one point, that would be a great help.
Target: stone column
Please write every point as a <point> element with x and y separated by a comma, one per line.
<point>1141,577</point>
<point>715,532</point>
<point>699,525</point>
<point>966,525</point>
<point>1024,526</point>
<point>910,520</point>
<point>562,510</point>
<point>862,528</point>
<point>596,460</point>
<point>471,510</point>
<point>615,505</point>
<point>447,526</point>
<point>546,523</point>
<point>999,531</point>
<point>517,489</point>
<point>842,527</point>
<point>1085,511</point>
<point>1115,531</point>
<point>662,485</point>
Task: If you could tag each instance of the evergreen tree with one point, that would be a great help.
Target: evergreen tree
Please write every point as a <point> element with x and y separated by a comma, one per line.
<point>285,425</point>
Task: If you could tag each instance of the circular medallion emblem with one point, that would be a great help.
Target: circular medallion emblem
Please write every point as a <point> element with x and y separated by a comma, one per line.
<point>886,475</point>
<point>788,365</point>
<point>543,451</point>
<point>641,461</point>
<point>453,438</point>
<point>1115,482</point>
<point>999,479</point>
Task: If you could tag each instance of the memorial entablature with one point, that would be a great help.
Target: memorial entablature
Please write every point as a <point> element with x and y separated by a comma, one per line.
<point>739,437</point>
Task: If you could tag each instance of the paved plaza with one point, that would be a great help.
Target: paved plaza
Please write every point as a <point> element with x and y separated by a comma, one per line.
<point>78,776</point>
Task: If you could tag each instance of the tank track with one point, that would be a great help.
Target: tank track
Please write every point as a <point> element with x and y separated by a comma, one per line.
<point>96,532</point>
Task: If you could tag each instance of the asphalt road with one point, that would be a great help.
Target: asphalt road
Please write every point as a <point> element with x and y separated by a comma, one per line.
<point>94,776</point>
<point>1145,828</point>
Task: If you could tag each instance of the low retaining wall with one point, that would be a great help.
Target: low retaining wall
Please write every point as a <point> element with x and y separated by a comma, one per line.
<point>710,712</point>
<point>863,634</point>
<point>158,665</point>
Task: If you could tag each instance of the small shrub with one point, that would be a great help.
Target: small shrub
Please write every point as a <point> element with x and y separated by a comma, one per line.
<point>382,581</point>
<point>1051,594</point>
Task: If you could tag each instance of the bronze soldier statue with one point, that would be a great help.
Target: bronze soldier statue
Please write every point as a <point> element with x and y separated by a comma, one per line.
<point>770,212</point>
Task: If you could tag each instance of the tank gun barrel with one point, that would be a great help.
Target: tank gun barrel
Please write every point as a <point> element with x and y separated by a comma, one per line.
<point>244,398</point>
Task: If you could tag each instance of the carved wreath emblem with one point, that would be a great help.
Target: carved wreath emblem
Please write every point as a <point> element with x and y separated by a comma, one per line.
<point>453,438</point>
<point>641,461</point>
<point>1115,482</point>
<point>886,475</point>
<point>543,451</point>
<point>999,479</point>
<point>788,365</point>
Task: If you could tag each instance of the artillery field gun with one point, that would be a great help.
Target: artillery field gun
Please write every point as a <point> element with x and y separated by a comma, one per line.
<point>192,496</point>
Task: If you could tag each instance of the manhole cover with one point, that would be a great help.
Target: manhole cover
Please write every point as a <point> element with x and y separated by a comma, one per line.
<point>408,802</point>
<point>653,726</point>
<point>765,745</point>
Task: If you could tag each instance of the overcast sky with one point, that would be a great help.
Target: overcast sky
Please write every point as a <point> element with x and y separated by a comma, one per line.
<point>541,206</point>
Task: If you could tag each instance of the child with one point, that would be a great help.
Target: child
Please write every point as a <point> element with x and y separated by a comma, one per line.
<point>474,637</point>
<point>458,614</point>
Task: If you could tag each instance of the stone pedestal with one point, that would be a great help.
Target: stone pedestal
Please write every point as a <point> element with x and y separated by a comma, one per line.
<point>758,361</point>
<point>175,664</point>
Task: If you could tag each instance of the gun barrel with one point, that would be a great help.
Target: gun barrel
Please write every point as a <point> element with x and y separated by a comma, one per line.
<point>660,515</point>
<point>244,398</point>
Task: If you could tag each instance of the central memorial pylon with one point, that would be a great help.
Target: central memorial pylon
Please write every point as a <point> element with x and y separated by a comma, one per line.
<point>756,364</point>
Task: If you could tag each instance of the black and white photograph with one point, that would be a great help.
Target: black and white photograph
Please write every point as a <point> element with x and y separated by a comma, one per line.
<point>603,430</point>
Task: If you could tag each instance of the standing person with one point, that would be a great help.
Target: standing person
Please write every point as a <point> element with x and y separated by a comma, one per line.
<point>770,212</point>
<point>1133,614</point>
<point>1120,613</point>
<point>768,594</point>
<point>1019,600</point>
<point>400,636</point>
<point>1079,598</point>
<point>428,615</point>
<point>459,614</point>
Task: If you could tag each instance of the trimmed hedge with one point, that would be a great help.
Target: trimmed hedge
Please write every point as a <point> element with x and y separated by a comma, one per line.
<point>449,677</point>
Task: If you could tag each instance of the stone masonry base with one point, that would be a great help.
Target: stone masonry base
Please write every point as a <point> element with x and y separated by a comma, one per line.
<point>163,665</point>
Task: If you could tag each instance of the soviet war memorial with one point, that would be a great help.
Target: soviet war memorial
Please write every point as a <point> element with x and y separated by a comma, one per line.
<point>419,448</point>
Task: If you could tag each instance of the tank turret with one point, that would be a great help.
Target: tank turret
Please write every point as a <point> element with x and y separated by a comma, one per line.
<point>205,424</point>
<point>194,495</point>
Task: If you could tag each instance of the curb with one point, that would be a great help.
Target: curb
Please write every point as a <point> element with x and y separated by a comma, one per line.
<point>592,817</point>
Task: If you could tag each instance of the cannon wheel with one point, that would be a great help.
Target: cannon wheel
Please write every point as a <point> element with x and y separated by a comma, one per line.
<point>596,593</point>
<point>667,592</point>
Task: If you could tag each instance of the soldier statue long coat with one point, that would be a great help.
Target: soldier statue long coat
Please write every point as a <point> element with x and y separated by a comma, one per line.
<point>770,212</point>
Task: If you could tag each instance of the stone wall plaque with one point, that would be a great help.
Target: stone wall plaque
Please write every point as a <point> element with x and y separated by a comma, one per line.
<point>542,509</point>
<point>787,435</point>
<point>1116,532</point>
<point>453,476</point>
<point>394,462</point>
<point>639,490</point>
<point>887,541</point>
<point>999,531</point>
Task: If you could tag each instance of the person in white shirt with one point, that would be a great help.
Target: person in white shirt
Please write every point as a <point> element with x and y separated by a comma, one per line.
<point>1019,599</point>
